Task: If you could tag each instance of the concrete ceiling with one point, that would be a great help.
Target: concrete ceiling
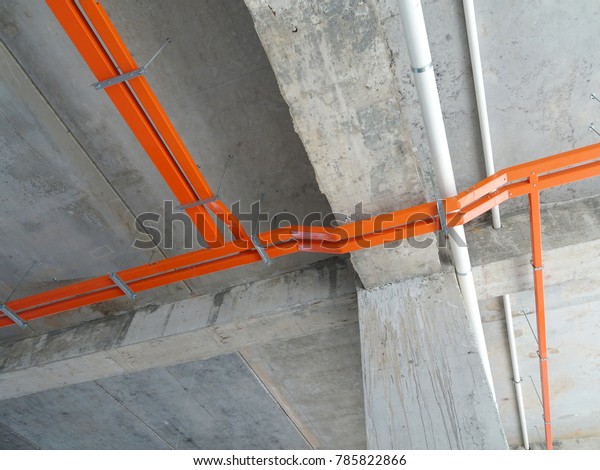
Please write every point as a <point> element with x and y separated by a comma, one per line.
<point>73,178</point>
<point>212,404</point>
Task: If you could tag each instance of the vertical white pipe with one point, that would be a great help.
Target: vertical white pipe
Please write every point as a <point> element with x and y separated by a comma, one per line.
<point>420,58</point>
<point>515,367</point>
<point>484,124</point>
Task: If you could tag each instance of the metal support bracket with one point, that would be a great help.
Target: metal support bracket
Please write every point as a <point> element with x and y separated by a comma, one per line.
<point>130,75</point>
<point>114,277</point>
<point>261,250</point>
<point>536,268</point>
<point>201,202</point>
<point>425,68</point>
<point>442,215</point>
<point>12,315</point>
<point>254,237</point>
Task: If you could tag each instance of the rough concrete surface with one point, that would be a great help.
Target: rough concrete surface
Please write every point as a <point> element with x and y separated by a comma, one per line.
<point>51,189</point>
<point>515,274</point>
<point>71,168</point>
<point>290,306</point>
<point>310,97</point>
<point>563,224</point>
<point>212,404</point>
<point>333,67</point>
<point>317,379</point>
<point>425,386</point>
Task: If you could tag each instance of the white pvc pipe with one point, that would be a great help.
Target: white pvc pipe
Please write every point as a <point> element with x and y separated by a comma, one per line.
<point>484,124</point>
<point>420,59</point>
<point>515,367</point>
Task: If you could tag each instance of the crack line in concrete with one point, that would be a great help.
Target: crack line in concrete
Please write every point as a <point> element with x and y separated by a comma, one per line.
<point>15,433</point>
<point>133,414</point>
<point>281,407</point>
<point>187,398</point>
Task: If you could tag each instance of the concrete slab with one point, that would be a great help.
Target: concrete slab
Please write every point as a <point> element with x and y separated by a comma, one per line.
<point>52,190</point>
<point>213,404</point>
<point>529,55</point>
<point>536,107</point>
<point>82,416</point>
<point>317,380</point>
<point>10,440</point>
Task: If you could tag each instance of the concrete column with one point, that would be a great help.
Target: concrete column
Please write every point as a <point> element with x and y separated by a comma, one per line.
<point>424,382</point>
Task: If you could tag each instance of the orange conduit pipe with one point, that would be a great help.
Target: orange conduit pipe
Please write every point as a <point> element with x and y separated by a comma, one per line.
<point>415,221</point>
<point>143,113</point>
<point>540,309</point>
<point>145,116</point>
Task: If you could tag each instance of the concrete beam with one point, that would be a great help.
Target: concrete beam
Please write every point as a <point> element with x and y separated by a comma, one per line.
<point>425,387</point>
<point>570,247</point>
<point>334,68</point>
<point>289,306</point>
<point>571,262</point>
<point>563,224</point>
